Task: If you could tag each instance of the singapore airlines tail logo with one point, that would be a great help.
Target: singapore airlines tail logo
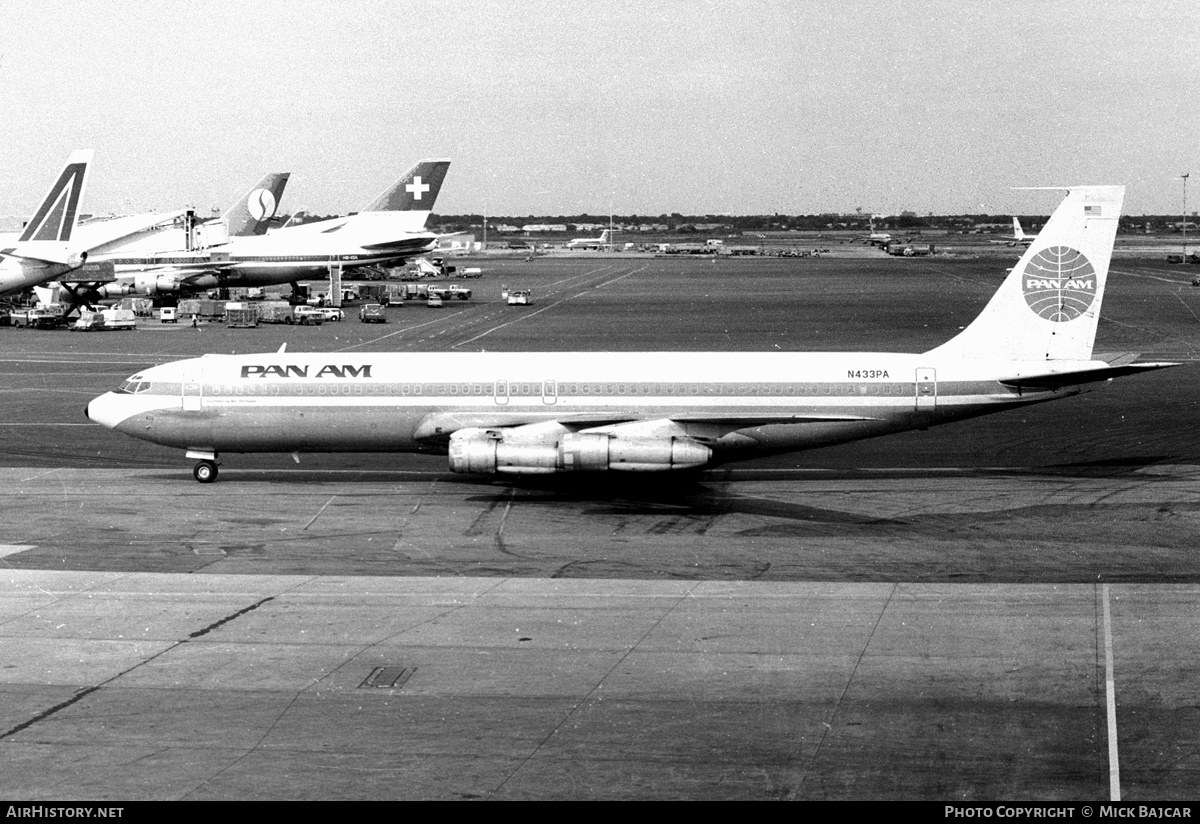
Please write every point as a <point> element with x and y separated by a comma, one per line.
<point>261,204</point>
<point>1059,284</point>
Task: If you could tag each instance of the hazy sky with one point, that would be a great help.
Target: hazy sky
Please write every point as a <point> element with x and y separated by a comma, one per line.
<point>648,106</point>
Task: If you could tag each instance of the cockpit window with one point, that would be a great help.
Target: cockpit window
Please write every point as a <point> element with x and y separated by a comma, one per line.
<point>133,386</point>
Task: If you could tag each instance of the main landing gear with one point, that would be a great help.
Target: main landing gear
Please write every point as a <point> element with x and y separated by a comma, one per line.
<point>206,470</point>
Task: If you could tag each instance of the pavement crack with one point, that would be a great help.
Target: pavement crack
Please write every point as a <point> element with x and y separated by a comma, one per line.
<point>84,692</point>
<point>229,618</point>
<point>41,716</point>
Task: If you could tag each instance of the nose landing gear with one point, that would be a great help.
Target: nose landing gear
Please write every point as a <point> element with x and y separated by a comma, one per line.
<point>206,470</point>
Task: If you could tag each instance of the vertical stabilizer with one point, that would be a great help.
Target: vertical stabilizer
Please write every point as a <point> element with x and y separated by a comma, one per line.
<point>416,191</point>
<point>253,212</point>
<point>55,219</point>
<point>1049,306</point>
<point>1018,234</point>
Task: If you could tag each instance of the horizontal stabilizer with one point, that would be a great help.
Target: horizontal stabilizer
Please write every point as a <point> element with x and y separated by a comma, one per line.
<point>44,251</point>
<point>1057,380</point>
<point>101,271</point>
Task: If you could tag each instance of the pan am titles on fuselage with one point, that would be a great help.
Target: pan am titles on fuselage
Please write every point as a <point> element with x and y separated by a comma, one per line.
<point>569,412</point>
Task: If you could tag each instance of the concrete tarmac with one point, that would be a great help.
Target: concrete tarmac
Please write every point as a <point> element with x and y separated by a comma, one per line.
<point>928,616</point>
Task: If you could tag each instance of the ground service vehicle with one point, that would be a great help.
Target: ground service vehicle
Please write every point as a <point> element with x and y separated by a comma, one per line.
<point>372,313</point>
<point>519,297</point>
<point>38,317</point>
<point>119,319</point>
<point>276,311</point>
<point>308,315</point>
<point>88,322</point>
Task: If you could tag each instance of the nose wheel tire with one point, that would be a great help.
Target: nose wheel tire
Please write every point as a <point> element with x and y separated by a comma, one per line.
<point>205,472</point>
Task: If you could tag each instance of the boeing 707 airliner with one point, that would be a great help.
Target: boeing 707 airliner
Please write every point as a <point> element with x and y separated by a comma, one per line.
<point>562,412</point>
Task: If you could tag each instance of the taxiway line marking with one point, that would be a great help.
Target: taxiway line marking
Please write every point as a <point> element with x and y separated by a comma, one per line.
<point>1185,306</point>
<point>543,309</point>
<point>1114,770</point>
<point>1148,277</point>
<point>319,511</point>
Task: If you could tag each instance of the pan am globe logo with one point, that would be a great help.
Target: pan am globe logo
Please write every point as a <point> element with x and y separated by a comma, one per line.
<point>261,204</point>
<point>1059,284</point>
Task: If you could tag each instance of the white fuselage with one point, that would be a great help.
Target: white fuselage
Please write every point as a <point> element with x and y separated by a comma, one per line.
<point>17,274</point>
<point>282,256</point>
<point>738,404</point>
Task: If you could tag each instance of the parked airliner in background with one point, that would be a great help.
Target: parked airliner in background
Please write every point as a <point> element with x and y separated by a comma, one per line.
<point>877,238</point>
<point>1018,236</point>
<point>180,233</point>
<point>43,250</point>
<point>388,232</point>
<point>601,242</point>
<point>499,412</point>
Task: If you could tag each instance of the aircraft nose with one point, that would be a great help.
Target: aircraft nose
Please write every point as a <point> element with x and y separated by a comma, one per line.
<point>104,410</point>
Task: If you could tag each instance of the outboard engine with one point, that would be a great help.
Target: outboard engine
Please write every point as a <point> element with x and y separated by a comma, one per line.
<point>152,284</point>
<point>500,451</point>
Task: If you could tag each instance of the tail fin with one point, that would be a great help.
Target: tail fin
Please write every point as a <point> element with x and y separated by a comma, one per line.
<point>47,234</point>
<point>252,213</point>
<point>1017,233</point>
<point>1049,306</point>
<point>416,191</point>
<point>606,236</point>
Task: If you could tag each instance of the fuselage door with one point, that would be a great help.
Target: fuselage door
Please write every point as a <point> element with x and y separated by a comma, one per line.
<point>193,389</point>
<point>501,392</point>
<point>549,391</point>
<point>926,387</point>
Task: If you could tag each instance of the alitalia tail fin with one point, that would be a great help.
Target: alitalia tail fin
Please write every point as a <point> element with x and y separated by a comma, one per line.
<point>1049,306</point>
<point>47,235</point>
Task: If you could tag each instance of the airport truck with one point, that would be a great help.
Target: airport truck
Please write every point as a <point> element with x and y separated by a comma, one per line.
<point>123,320</point>
<point>276,311</point>
<point>88,322</point>
<point>372,313</point>
<point>106,320</point>
<point>242,317</point>
<point>37,317</point>
<point>424,291</point>
<point>201,308</point>
<point>385,294</point>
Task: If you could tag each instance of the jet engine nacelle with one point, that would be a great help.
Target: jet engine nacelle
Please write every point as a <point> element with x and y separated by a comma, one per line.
<point>152,284</point>
<point>116,289</point>
<point>491,452</point>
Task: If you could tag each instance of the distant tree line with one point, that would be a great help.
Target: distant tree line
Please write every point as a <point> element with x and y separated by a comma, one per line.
<point>1158,224</point>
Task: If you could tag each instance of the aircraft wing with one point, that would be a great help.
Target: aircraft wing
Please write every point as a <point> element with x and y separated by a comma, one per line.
<point>97,233</point>
<point>409,245</point>
<point>43,252</point>
<point>1108,371</point>
<point>438,427</point>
